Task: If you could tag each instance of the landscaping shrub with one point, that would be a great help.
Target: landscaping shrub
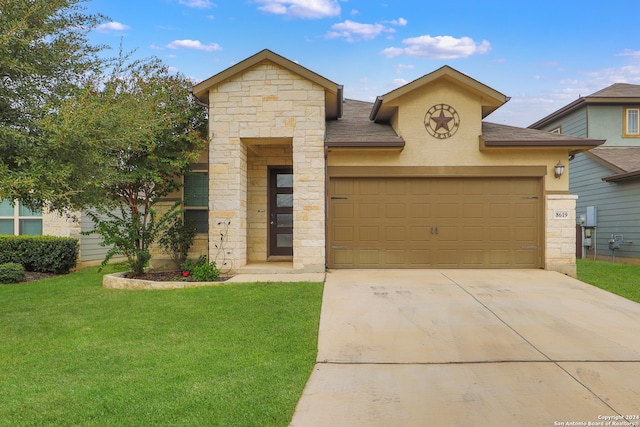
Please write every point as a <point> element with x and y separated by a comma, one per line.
<point>11,272</point>
<point>201,270</point>
<point>177,239</point>
<point>44,254</point>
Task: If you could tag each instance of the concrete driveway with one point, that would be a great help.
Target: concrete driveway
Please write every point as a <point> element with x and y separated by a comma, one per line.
<point>472,348</point>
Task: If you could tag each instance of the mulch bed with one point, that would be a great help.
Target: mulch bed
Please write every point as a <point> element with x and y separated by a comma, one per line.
<point>168,276</point>
<point>157,276</point>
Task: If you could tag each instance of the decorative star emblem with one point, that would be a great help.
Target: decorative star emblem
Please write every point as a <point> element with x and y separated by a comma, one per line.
<point>442,121</point>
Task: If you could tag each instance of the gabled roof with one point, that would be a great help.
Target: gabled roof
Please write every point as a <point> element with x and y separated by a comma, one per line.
<point>491,98</point>
<point>624,162</point>
<point>617,93</point>
<point>355,129</point>
<point>502,136</point>
<point>333,91</point>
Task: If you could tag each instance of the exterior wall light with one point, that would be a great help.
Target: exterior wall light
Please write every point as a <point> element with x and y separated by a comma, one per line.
<point>558,170</point>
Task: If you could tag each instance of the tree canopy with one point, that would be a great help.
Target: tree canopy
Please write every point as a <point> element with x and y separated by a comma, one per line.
<point>44,57</point>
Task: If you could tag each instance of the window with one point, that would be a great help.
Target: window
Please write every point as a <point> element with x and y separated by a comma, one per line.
<point>196,200</point>
<point>18,219</point>
<point>631,119</point>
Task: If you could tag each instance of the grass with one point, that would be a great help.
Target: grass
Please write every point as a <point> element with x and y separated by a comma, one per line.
<point>620,279</point>
<point>74,353</point>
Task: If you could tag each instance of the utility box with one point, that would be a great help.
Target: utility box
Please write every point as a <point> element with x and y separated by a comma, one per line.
<point>591,219</point>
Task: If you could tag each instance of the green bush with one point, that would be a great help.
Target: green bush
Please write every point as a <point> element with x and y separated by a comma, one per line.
<point>201,270</point>
<point>12,273</point>
<point>44,254</point>
<point>177,239</point>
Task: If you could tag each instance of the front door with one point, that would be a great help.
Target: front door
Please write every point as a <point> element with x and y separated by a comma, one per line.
<point>280,211</point>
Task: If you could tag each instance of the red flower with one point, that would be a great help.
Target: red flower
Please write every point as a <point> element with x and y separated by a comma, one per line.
<point>185,274</point>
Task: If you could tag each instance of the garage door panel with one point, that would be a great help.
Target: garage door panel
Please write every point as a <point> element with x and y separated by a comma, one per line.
<point>447,210</point>
<point>420,234</point>
<point>435,222</point>
<point>473,234</point>
<point>343,210</point>
<point>420,210</point>
<point>395,234</point>
<point>368,210</point>
<point>473,210</point>
<point>395,210</point>
<point>369,233</point>
<point>369,257</point>
<point>499,210</point>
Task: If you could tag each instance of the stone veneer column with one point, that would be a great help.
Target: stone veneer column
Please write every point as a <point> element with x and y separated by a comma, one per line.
<point>560,236</point>
<point>267,102</point>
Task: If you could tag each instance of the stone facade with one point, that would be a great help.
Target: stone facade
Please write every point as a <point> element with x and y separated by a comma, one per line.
<point>560,233</point>
<point>266,116</point>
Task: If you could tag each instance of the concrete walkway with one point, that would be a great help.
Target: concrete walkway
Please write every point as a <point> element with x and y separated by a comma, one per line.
<point>471,348</point>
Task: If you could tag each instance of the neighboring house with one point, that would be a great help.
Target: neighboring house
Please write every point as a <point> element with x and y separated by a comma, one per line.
<point>606,178</point>
<point>303,179</point>
<point>17,220</point>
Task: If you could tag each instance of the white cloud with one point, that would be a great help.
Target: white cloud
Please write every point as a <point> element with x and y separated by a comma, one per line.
<point>400,22</point>
<point>352,31</point>
<point>401,67</point>
<point>438,47</point>
<point>200,4</point>
<point>634,54</point>
<point>111,27</point>
<point>600,79</point>
<point>194,44</point>
<point>310,9</point>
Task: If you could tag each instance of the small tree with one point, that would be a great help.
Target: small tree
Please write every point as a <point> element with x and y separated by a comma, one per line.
<point>137,133</point>
<point>176,240</point>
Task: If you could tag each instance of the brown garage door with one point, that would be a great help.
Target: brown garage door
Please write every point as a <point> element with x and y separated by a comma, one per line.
<point>435,222</point>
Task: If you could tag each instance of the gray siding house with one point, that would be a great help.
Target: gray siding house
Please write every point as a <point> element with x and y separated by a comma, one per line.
<point>606,179</point>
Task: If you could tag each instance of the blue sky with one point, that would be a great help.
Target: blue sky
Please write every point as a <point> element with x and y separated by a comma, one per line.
<point>542,54</point>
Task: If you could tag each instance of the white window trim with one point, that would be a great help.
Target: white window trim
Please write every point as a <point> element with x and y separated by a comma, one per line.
<point>625,129</point>
<point>16,218</point>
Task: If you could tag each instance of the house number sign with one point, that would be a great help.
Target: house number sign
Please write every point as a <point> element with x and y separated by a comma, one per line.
<point>561,215</point>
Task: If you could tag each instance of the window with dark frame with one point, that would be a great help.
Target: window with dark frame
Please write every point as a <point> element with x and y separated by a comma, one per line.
<point>196,200</point>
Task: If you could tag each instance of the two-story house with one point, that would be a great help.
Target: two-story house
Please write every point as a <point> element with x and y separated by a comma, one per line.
<point>607,178</point>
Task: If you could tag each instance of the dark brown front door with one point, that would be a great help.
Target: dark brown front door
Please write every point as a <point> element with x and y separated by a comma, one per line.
<point>280,211</point>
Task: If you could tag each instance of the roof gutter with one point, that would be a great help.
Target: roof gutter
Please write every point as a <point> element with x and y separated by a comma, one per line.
<point>622,176</point>
<point>376,108</point>
<point>198,100</point>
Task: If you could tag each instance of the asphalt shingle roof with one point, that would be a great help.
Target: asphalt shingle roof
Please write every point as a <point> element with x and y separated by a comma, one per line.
<point>626,159</point>
<point>355,126</point>
<point>618,90</point>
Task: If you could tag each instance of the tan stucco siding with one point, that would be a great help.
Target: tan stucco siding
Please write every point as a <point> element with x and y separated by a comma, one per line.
<point>461,149</point>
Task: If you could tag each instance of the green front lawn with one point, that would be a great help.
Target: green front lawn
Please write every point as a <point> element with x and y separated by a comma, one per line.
<point>620,279</point>
<point>74,353</point>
